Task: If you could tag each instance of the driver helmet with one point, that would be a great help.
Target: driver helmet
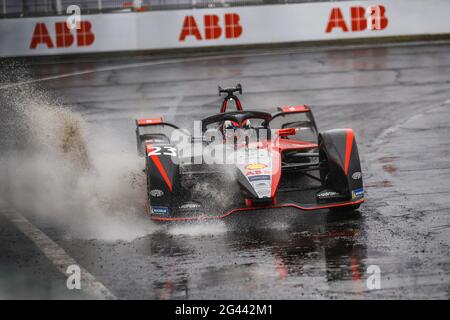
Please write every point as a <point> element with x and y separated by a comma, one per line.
<point>229,129</point>
<point>246,124</point>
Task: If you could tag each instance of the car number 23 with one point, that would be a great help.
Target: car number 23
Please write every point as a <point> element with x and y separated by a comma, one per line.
<point>165,150</point>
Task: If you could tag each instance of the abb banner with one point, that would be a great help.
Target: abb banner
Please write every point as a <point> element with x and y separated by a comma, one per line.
<point>224,26</point>
<point>64,37</point>
<point>212,27</point>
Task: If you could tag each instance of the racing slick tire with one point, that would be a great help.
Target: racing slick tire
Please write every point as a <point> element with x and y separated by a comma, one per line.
<point>340,167</point>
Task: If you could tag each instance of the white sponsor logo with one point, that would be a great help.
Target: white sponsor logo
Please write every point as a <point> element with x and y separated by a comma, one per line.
<point>356,175</point>
<point>328,194</point>
<point>156,193</point>
<point>160,210</point>
<point>190,205</point>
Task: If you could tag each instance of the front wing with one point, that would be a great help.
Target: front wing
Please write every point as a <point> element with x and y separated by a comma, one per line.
<point>221,199</point>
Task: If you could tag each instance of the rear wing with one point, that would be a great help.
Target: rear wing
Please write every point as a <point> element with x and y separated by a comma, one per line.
<point>294,109</point>
<point>142,137</point>
<point>145,122</point>
<point>286,110</point>
<point>148,122</point>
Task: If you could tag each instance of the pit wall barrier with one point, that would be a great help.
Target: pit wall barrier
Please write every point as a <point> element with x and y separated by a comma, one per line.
<point>250,25</point>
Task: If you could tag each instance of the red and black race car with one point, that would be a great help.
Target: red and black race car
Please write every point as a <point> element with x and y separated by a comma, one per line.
<point>246,160</point>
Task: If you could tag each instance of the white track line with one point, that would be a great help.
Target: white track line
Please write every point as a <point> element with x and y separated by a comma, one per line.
<point>146,64</point>
<point>215,57</point>
<point>134,65</point>
<point>57,255</point>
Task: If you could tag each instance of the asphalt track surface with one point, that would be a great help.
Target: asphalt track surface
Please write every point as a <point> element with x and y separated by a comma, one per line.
<point>395,97</point>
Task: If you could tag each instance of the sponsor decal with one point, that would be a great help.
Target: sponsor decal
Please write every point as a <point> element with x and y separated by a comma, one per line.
<point>258,178</point>
<point>262,190</point>
<point>156,193</point>
<point>257,172</point>
<point>190,205</point>
<point>371,18</point>
<point>64,37</point>
<point>160,210</point>
<point>213,28</point>
<point>357,193</point>
<point>255,166</point>
<point>329,194</point>
<point>356,175</point>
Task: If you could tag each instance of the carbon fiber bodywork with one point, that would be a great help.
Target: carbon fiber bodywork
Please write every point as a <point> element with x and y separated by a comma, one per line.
<point>291,164</point>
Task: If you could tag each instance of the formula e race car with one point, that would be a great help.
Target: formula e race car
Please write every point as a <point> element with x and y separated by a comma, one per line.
<point>246,160</point>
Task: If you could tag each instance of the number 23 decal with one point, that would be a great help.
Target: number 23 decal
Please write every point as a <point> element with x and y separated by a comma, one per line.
<point>167,151</point>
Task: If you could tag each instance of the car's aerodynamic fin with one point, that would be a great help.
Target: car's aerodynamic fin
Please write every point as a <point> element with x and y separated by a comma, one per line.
<point>149,121</point>
<point>296,109</point>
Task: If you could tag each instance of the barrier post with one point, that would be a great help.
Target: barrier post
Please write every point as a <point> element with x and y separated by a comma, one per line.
<point>58,5</point>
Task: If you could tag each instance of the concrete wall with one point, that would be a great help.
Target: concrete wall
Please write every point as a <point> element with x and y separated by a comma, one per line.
<point>224,26</point>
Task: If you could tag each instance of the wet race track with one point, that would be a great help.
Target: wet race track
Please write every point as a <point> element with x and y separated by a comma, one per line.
<point>396,98</point>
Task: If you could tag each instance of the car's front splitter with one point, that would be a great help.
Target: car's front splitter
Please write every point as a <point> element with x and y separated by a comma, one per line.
<point>276,206</point>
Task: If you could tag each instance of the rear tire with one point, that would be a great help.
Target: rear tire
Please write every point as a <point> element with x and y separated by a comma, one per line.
<point>324,168</point>
<point>332,172</point>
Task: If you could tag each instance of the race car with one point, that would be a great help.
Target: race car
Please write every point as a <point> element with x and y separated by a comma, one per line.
<point>240,161</point>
